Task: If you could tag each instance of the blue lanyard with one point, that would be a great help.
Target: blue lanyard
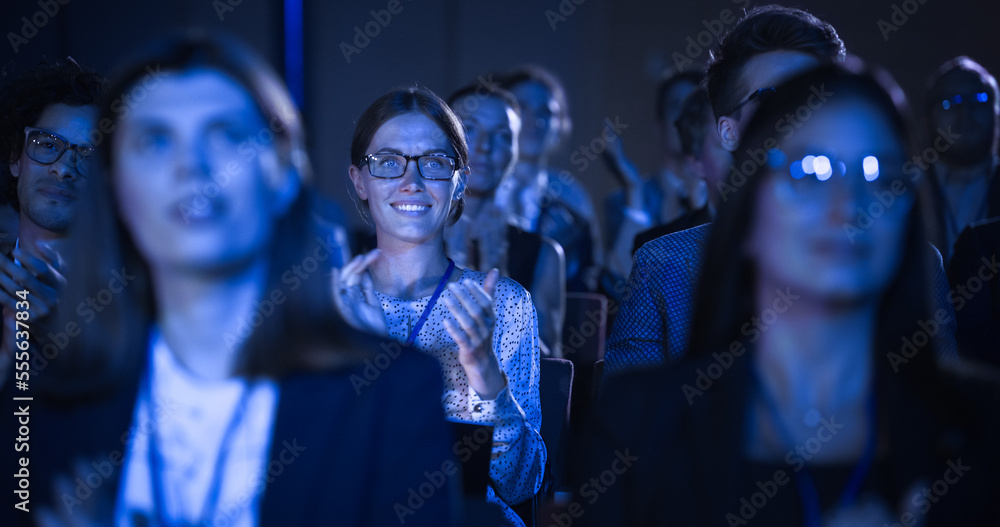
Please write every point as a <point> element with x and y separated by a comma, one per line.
<point>430,304</point>
<point>803,480</point>
<point>156,458</point>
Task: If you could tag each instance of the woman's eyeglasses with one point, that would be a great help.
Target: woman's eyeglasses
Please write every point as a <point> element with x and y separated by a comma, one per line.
<point>809,177</point>
<point>45,147</point>
<point>388,166</point>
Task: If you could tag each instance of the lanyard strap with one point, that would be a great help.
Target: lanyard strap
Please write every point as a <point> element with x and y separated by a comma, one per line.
<point>803,480</point>
<point>156,471</point>
<point>430,304</point>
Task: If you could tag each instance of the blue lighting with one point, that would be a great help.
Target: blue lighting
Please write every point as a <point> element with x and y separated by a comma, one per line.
<point>808,163</point>
<point>775,158</point>
<point>982,96</point>
<point>824,169</point>
<point>870,165</point>
<point>796,170</point>
<point>946,104</point>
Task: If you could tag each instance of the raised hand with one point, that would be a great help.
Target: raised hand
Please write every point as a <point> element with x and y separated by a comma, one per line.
<point>471,305</point>
<point>621,165</point>
<point>354,295</point>
<point>39,273</point>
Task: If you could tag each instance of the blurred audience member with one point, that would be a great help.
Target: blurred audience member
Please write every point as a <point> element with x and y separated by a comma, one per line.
<point>962,112</point>
<point>659,198</point>
<point>208,389</point>
<point>813,416</point>
<point>705,159</point>
<point>974,274</point>
<point>769,44</point>
<point>555,205</point>
<point>410,166</point>
<point>331,222</point>
<point>484,238</point>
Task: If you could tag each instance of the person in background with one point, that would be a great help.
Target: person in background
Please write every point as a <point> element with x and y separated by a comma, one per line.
<point>769,44</point>
<point>47,119</point>
<point>813,419</point>
<point>483,238</point>
<point>962,115</point>
<point>209,388</point>
<point>659,198</point>
<point>410,167</point>
<point>704,158</point>
<point>540,199</point>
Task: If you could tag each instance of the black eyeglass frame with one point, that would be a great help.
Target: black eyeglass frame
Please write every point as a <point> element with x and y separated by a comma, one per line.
<point>757,94</point>
<point>416,159</point>
<point>67,146</point>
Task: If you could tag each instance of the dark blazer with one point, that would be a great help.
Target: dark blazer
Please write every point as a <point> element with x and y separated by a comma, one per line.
<point>973,274</point>
<point>351,444</point>
<point>653,321</point>
<point>658,454</point>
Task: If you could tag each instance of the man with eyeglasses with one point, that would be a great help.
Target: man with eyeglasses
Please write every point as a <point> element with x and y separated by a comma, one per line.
<point>47,115</point>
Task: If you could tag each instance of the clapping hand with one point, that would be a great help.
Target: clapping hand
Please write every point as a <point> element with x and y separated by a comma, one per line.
<point>39,273</point>
<point>355,298</point>
<point>471,305</point>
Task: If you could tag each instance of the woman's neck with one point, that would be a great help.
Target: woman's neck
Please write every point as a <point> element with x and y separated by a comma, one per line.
<point>409,271</point>
<point>813,354</point>
<point>205,318</point>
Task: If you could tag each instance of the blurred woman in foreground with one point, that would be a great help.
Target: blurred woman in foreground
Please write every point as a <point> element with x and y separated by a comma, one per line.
<point>797,405</point>
<point>209,384</point>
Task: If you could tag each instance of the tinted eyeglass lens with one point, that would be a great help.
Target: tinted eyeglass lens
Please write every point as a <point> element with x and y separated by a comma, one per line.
<point>85,160</point>
<point>392,166</point>
<point>386,166</point>
<point>44,147</point>
<point>436,167</point>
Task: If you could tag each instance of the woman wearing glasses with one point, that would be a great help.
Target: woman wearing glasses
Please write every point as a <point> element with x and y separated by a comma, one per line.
<point>812,395</point>
<point>196,384</point>
<point>409,167</point>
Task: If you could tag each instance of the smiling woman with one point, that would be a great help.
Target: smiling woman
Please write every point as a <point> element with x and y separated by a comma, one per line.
<point>410,169</point>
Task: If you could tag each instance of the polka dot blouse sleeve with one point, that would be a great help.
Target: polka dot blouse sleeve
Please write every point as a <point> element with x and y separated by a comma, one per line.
<point>518,451</point>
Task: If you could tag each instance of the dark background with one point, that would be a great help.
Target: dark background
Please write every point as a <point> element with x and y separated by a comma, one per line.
<point>609,54</point>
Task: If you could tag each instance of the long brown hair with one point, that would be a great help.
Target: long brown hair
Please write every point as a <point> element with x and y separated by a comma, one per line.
<point>294,317</point>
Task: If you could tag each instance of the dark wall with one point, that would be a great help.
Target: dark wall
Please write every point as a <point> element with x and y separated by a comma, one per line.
<point>607,53</point>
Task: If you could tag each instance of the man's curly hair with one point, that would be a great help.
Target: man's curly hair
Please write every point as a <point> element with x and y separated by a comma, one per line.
<point>23,98</point>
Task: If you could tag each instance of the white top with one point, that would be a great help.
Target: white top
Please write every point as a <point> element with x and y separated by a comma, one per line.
<point>516,415</point>
<point>190,416</point>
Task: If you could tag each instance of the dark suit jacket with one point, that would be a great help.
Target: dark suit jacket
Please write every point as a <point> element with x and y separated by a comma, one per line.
<point>973,274</point>
<point>653,321</point>
<point>351,444</point>
<point>658,454</point>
